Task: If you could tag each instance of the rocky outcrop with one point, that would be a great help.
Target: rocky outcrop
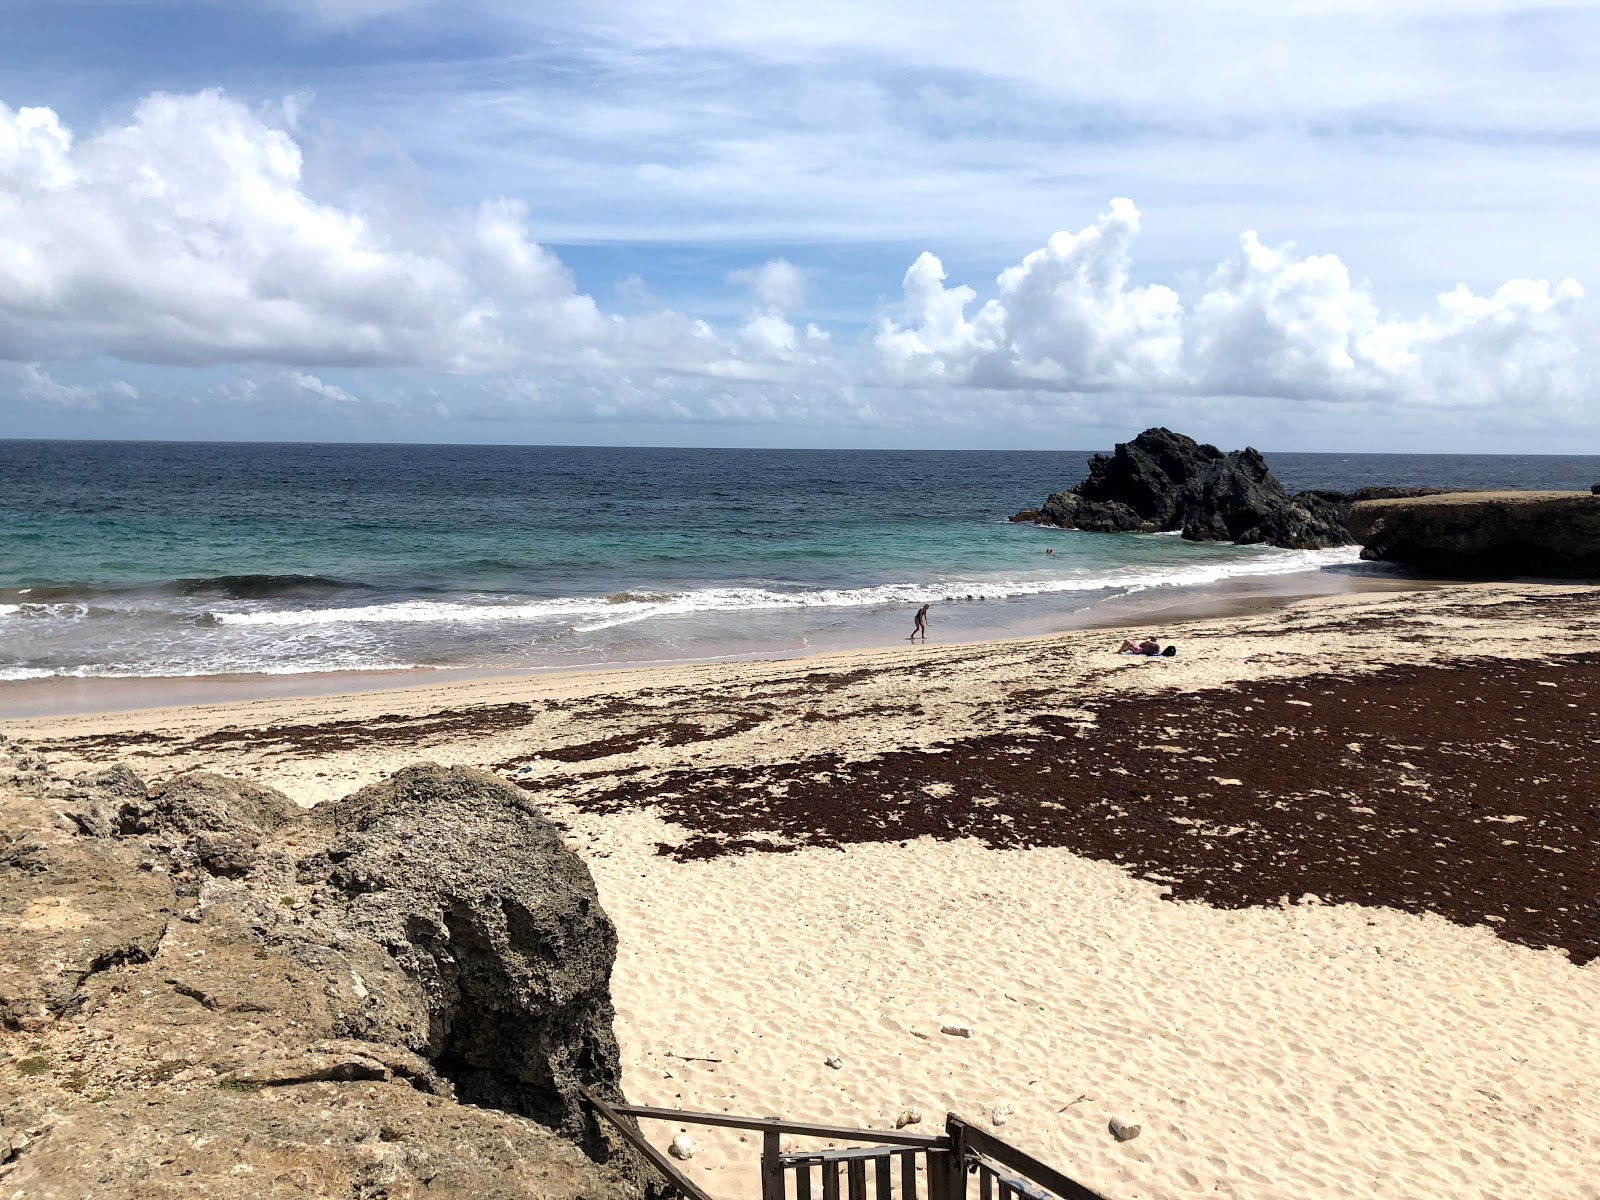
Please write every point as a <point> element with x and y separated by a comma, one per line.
<point>498,924</point>
<point>1163,481</point>
<point>206,992</point>
<point>1484,534</point>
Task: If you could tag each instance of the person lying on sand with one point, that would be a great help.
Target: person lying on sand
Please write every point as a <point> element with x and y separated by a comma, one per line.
<point>1148,646</point>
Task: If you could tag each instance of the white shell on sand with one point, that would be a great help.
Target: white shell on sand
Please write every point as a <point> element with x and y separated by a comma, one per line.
<point>910,1116</point>
<point>834,1061</point>
<point>1000,1113</point>
<point>682,1147</point>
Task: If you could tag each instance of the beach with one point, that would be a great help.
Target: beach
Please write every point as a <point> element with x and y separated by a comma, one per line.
<point>1312,901</point>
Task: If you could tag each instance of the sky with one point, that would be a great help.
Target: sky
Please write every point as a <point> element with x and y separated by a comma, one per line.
<point>1358,226</point>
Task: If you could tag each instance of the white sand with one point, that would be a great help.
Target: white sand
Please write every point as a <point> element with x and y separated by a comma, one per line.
<point>1307,1051</point>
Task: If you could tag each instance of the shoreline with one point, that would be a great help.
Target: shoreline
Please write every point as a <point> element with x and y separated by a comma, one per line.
<point>35,699</point>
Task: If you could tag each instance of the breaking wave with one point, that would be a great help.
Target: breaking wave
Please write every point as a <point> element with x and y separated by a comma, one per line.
<point>591,614</point>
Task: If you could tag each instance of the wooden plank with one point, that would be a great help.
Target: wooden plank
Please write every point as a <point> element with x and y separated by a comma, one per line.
<point>1051,1180</point>
<point>830,1181</point>
<point>639,1142</point>
<point>843,1156</point>
<point>771,1166</point>
<point>940,1165</point>
<point>802,1181</point>
<point>884,1137</point>
<point>908,1177</point>
<point>985,1183</point>
<point>856,1172</point>
<point>883,1176</point>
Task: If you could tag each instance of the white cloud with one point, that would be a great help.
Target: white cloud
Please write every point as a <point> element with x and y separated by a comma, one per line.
<point>188,234</point>
<point>185,235</point>
<point>1271,324</point>
<point>32,382</point>
<point>1267,324</point>
<point>1064,316</point>
<point>777,284</point>
<point>311,385</point>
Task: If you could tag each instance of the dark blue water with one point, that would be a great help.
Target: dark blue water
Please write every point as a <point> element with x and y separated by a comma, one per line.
<point>204,558</point>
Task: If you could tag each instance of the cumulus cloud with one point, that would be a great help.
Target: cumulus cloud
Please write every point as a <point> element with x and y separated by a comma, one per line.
<point>1065,316</point>
<point>1267,323</point>
<point>1275,325</point>
<point>185,235</point>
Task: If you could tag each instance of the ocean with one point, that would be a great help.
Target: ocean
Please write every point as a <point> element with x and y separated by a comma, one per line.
<point>159,559</point>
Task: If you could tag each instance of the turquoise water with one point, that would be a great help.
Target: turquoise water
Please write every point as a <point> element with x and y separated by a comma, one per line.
<point>147,559</point>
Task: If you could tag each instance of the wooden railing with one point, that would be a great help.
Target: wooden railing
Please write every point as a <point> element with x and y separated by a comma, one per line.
<point>946,1160</point>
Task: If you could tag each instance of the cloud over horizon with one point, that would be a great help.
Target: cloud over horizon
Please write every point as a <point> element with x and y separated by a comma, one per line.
<point>189,235</point>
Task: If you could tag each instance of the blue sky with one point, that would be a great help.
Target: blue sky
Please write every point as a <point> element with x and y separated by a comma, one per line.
<point>1305,225</point>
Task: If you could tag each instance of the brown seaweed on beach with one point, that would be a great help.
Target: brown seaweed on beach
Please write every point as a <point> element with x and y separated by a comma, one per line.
<point>1468,789</point>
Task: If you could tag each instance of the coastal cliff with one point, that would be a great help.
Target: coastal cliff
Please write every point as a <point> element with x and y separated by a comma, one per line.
<point>206,991</point>
<point>1554,534</point>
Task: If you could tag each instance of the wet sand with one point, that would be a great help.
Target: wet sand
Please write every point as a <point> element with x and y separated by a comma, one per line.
<point>66,695</point>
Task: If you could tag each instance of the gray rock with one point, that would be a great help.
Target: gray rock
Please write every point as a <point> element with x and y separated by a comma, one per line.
<point>473,894</point>
<point>1123,1129</point>
<point>201,801</point>
<point>459,943</point>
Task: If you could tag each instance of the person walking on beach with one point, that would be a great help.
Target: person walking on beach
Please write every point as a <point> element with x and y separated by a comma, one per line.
<point>920,625</point>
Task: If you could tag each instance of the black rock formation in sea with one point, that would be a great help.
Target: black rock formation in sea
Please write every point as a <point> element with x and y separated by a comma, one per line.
<point>1163,481</point>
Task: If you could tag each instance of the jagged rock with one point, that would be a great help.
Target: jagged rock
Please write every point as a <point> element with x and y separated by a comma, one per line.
<point>682,1147</point>
<point>956,1029</point>
<point>1163,481</point>
<point>203,802</point>
<point>1485,533</point>
<point>1123,1129</point>
<point>1000,1113</point>
<point>498,923</point>
<point>834,1061</point>
<point>70,906</point>
<point>909,1116</point>
<point>454,943</point>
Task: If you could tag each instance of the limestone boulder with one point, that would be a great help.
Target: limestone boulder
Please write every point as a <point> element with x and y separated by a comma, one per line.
<point>306,1019</point>
<point>471,891</point>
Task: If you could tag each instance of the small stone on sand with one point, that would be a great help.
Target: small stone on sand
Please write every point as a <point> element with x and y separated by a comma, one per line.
<point>1124,1130</point>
